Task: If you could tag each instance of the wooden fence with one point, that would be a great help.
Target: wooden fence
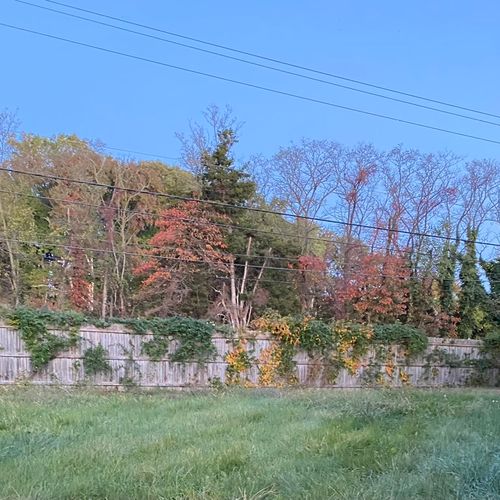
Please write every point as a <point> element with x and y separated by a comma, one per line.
<point>447,362</point>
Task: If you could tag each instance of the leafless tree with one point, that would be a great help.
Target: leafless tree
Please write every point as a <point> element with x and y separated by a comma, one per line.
<point>305,177</point>
<point>203,137</point>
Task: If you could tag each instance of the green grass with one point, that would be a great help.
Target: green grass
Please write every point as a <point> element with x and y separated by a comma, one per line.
<point>400,444</point>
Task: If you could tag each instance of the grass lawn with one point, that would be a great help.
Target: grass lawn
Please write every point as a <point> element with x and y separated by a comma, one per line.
<point>372,444</point>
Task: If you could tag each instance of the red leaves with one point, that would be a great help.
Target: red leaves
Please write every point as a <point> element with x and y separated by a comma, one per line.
<point>378,288</point>
<point>188,239</point>
<point>80,290</point>
<point>312,263</point>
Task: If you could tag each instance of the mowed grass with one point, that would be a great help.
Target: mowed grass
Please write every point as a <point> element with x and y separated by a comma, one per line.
<point>369,444</point>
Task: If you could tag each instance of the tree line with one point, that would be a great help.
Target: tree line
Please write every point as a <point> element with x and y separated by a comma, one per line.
<point>318,229</point>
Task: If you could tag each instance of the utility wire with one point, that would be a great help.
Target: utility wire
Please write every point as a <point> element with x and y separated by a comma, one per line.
<point>161,257</point>
<point>274,60</point>
<point>251,209</point>
<point>48,244</point>
<point>239,227</point>
<point>265,66</point>
<point>251,85</point>
<point>72,247</point>
<point>140,153</point>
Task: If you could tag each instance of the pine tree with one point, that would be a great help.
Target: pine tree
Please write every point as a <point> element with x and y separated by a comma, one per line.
<point>220,180</point>
<point>446,278</point>
<point>473,299</point>
<point>492,270</point>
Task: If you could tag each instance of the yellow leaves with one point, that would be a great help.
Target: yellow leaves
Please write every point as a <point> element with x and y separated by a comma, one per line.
<point>238,361</point>
<point>279,328</point>
<point>404,377</point>
<point>351,365</point>
<point>269,363</point>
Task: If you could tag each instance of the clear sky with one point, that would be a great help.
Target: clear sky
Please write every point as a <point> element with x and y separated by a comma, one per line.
<point>446,50</point>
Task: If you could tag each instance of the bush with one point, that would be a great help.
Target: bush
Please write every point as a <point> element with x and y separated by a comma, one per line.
<point>491,346</point>
<point>95,361</point>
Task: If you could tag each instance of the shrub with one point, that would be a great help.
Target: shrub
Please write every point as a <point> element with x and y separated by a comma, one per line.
<point>95,360</point>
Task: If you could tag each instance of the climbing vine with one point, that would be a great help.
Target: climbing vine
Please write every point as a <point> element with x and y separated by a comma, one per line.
<point>95,361</point>
<point>238,362</point>
<point>335,346</point>
<point>373,352</point>
<point>192,338</point>
<point>43,345</point>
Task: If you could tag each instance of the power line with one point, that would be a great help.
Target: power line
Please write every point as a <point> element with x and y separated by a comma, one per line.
<point>161,257</point>
<point>122,252</point>
<point>252,209</point>
<point>140,153</point>
<point>216,224</point>
<point>265,66</point>
<point>251,85</point>
<point>201,261</point>
<point>96,146</point>
<point>274,60</point>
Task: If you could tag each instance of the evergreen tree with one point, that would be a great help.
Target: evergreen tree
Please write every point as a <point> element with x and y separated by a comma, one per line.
<point>492,270</point>
<point>473,299</point>
<point>220,180</point>
<point>446,278</point>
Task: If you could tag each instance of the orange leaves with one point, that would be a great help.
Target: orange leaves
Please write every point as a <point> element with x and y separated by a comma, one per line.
<point>189,239</point>
<point>379,289</point>
<point>157,277</point>
<point>312,263</point>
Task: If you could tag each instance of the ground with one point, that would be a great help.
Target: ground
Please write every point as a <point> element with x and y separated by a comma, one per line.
<point>318,444</point>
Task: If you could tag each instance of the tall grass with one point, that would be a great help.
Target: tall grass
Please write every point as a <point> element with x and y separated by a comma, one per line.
<point>314,444</point>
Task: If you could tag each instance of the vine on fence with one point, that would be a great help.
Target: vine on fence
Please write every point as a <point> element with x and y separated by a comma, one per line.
<point>331,346</point>
<point>336,346</point>
<point>238,362</point>
<point>43,345</point>
<point>194,337</point>
<point>95,361</point>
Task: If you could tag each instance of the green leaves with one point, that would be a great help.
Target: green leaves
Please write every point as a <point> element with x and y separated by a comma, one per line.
<point>194,337</point>
<point>95,360</point>
<point>412,338</point>
<point>475,320</point>
<point>43,345</point>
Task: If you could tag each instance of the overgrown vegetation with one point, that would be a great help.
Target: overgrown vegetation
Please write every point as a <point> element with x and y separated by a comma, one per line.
<point>102,244</point>
<point>42,344</point>
<point>193,337</point>
<point>95,361</point>
<point>335,345</point>
<point>373,352</point>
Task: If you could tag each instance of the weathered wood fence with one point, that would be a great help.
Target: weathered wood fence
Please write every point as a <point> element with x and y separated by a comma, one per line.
<point>129,366</point>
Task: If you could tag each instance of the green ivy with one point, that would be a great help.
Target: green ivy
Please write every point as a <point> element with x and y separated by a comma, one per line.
<point>43,345</point>
<point>316,336</point>
<point>491,349</point>
<point>156,348</point>
<point>194,337</point>
<point>414,340</point>
<point>95,360</point>
<point>491,345</point>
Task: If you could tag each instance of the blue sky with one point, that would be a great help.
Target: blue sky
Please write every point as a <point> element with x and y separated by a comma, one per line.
<point>446,50</point>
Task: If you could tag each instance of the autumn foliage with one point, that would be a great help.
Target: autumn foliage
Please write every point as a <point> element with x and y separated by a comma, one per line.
<point>378,288</point>
<point>189,239</point>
